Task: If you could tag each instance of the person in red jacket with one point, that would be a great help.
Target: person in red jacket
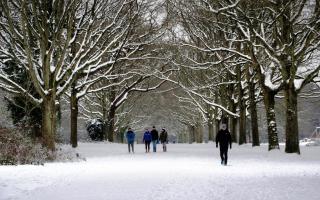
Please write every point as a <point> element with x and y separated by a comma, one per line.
<point>223,138</point>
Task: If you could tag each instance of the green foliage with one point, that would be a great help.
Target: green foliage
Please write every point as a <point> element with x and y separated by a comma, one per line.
<point>23,112</point>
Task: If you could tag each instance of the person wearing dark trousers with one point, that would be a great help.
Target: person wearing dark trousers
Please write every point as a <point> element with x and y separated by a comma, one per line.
<point>164,139</point>
<point>223,138</point>
<point>155,138</point>
<point>147,140</point>
<point>130,138</point>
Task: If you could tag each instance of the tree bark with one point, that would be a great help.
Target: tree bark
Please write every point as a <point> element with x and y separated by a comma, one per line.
<point>74,117</point>
<point>253,114</point>
<point>292,130</point>
<point>199,133</point>
<point>110,124</point>
<point>210,130</point>
<point>210,122</point>
<point>217,127</point>
<point>233,124</point>
<point>242,107</point>
<point>242,123</point>
<point>49,121</point>
<point>232,104</point>
<point>269,103</point>
<point>191,134</point>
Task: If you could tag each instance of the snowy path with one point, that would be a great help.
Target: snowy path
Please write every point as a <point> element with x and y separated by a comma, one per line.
<point>185,172</point>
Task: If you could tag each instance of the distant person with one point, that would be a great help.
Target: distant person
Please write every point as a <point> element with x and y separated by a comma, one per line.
<point>130,138</point>
<point>155,138</point>
<point>147,139</point>
<point>164,139</point>
<point>224,139</point>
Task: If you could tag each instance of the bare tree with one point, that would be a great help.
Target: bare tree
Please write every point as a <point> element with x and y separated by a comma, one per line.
<point>38,36</point>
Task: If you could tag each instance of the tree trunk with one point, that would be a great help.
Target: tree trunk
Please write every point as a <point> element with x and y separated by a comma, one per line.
<point>211,129</point>
<point>73,100</point>
<point>254,115</point>
<point>292,130</point>
<point>110,124</point>
<point>233,129</point>
<point>242,108</point>
<point>49,121</point>
<point>269,103</point>
<point>232,104</point>
<point>210,122</point>
<point>199,133</point>
<point>191,134</point>
<point>217,127</point>
<point>74,117</point>
<point>233,124</point>
<point>242,124</point>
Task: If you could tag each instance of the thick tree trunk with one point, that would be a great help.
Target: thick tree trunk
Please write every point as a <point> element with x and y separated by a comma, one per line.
<point>254,115</point>
<point>242,120</point>
<point>233,124</point>
<point>242,108</point>
<point>191,129</point>
<point>74,117</point>
<point>232,107</point>
<point>110,124</point>
<point>73,100</point>
<point>292,131</point>
<point>217,128</point>
<point>271,119</point>
<point>49,121</point>
<point>233,129</point>
<point>199,133</point>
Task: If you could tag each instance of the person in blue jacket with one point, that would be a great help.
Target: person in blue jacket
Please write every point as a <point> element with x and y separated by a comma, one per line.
<point>147,140</point>
<point>130,138</point>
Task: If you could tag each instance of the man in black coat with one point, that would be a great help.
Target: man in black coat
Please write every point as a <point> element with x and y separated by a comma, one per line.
<point>164,139</point>
<point>224,139</point>
<point>155,138</point>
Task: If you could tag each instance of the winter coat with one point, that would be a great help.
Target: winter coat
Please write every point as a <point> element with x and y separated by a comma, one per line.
<point>147,136</point>
<point>154,134</point>
<point>224,139</point>
<point>163,136</point>
<point>130,136</point>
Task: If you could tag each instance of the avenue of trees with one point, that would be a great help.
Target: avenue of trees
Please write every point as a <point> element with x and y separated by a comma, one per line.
<point>223,58</point>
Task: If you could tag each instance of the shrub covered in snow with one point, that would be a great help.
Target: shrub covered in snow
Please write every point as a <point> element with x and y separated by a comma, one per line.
<point>95,129</point>
<point>18,148</point>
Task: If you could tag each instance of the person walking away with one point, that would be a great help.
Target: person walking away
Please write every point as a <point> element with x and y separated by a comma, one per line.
<point>155,138</point>
<point>164,139</point>
<point>223,138</point>
<point>130,138</point>
<point>147,140</point>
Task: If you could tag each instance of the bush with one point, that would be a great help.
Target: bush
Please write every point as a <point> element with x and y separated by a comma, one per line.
<point>95,129</point>
<point>18,148</point>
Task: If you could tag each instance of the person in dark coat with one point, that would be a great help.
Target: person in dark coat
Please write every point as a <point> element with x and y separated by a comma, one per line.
<point>155,138</point>
<point>164,139</point>
<point>223,138</point>
<point>130,138</point>
<point>147,140</point>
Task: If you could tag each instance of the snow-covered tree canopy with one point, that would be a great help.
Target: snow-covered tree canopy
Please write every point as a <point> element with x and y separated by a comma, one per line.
<point>40,36</point>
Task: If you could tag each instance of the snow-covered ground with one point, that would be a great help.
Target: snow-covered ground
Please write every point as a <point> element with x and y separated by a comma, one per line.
<point>184,172</point>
